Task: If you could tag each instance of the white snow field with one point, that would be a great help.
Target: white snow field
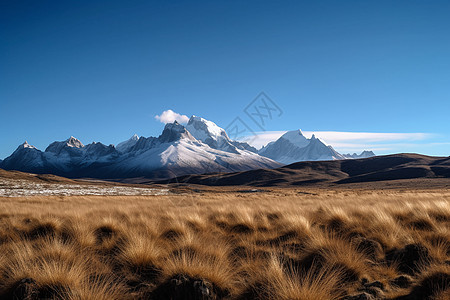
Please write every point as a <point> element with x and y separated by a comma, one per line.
<point>19,188</point>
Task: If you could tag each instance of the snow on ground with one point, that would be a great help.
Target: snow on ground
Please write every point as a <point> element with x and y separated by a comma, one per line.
<point>18,188</point>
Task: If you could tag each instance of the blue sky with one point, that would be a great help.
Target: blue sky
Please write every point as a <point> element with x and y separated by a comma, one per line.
<point>102,70</point>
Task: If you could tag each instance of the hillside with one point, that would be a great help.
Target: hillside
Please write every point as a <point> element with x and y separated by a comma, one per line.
<point>373,169</point>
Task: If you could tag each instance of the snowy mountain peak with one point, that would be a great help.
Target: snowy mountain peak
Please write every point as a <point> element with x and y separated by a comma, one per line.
<point>126,145</point>
<point>214,136</point>
<point>74,142</point>
<point>203,129</point>
<point>25,157</point>
<point>175,126</point>
<point>296,138</point>
<point>26,145</point>
<point>173,132</point>
<point>71,143</point>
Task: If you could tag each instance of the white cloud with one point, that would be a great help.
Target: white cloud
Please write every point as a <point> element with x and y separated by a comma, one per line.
<point>169,116</point>
<point>337,136</point>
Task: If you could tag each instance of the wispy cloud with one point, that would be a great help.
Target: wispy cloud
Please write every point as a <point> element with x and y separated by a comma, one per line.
<point>354,141</point>
<point>169,116</point>
<point>335,136</point>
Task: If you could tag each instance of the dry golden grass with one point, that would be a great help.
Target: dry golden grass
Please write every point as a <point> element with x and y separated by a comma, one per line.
<point>279,244</point>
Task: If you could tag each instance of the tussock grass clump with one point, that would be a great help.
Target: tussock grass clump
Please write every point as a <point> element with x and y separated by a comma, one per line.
<point>273,245</point>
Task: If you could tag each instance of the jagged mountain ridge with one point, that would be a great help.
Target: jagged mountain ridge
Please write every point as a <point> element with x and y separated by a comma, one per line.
<point>199,147</point>
<point>175,152</point>
<point>364,154</point>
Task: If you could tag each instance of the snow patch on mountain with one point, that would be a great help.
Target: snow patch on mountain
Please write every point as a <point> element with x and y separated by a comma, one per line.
<point>70,143</point>
<point>26,145</point>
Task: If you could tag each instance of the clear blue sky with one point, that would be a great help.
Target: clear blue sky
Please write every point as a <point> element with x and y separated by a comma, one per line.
<point>101,70</point>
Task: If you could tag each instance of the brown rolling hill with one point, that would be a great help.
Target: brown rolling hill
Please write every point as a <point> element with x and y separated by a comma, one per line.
<point>336,172</point>
<point>40,178</point>
<point>54,179</point>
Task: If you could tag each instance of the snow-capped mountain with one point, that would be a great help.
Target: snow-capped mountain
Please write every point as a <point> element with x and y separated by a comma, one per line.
<point>68,158</point>
<point>71,154</point>
<point>67,146</point>
<point>25,158</point>
<point>175,152</point>
<point>199,147</point>
<point>293,146</point>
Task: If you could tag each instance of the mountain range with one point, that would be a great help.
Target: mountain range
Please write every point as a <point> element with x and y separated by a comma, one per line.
<point>197,148</point>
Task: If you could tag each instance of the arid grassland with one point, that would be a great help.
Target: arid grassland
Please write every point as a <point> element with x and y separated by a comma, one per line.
<point>278,244</point>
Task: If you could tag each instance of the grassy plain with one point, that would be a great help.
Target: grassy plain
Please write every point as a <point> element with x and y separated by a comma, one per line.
<point>228,244</point>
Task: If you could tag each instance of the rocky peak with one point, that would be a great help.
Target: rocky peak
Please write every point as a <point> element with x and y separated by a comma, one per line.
<point>173,132</point>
